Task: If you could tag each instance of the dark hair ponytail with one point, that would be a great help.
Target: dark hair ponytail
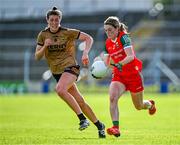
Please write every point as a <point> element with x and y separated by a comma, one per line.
<point>54,8</point>
<point>123,27</point>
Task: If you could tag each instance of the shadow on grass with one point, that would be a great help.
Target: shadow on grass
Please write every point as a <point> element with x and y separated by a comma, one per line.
<point>90,138</point>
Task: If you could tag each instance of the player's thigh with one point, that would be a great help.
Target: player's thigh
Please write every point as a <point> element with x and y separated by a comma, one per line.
<point>66,81</point>
<point>116,89</point>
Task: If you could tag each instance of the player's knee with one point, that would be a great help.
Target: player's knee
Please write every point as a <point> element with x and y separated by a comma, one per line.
<point>60,91</point>
<point>113,99</point>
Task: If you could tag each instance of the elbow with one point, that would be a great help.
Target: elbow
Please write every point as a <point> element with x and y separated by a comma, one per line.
<point>90,39</point>
<point>86,37</point>
<point>36,57</point>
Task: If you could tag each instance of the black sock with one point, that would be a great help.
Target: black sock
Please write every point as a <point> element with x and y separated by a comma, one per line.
<point>81,117</point>
<point>98,125</point>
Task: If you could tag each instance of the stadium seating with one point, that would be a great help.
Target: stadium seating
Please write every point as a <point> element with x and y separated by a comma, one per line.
<point>18,40</point>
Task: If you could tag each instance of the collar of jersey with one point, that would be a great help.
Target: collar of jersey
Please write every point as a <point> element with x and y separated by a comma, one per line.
<point>114,40</point>
<point>55,32</point>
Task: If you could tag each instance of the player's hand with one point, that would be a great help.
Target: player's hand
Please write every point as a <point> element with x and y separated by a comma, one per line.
<point>106,59</point>
<point>85,59</point>
<point>117,65</point>
<point>47,42</point>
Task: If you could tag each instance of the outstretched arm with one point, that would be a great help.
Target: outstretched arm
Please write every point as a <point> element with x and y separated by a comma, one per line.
<point>88,41</point>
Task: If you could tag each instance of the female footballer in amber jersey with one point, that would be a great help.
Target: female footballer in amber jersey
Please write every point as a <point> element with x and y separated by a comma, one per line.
<point>57,44</point>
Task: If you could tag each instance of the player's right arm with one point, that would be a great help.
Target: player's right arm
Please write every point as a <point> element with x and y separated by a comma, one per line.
<point>104,55</point>
<point>40,50</point>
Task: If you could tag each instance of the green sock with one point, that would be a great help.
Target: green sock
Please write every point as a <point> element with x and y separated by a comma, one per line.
<point>116,123</point>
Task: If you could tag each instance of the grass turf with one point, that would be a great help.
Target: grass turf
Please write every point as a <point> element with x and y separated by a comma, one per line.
<point>45,119</point>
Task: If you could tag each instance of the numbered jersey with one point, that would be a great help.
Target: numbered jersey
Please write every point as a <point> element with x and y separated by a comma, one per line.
<point>61,53</point>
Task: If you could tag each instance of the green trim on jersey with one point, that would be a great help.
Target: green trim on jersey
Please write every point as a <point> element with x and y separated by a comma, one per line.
<point>105,50</point>
<point>126,40</point>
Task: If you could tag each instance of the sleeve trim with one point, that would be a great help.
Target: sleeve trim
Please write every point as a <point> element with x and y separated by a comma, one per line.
<point>78,34</point>
<point>40,44</point>
<point>129,46</point>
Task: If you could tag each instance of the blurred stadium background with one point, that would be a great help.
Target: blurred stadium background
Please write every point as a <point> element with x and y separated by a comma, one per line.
<point>154,27</point>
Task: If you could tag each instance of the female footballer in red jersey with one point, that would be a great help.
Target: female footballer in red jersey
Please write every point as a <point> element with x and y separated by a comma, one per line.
<point>126,71</point>
<point>57,44</point>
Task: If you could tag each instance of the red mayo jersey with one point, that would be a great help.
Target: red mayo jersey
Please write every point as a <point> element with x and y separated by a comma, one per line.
<point>116,50</point>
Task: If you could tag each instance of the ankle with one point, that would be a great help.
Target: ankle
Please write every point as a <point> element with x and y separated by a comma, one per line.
<point>116,126</point>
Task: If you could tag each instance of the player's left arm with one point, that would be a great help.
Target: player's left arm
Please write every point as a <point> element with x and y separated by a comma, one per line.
<point>127,46</point>
<point>88,41</point>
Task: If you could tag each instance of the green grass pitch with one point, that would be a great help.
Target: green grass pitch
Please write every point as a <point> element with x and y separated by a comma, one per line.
<point>46,119</point>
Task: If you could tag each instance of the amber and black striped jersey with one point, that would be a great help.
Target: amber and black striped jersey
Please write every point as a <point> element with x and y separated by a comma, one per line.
<point>61,53</point>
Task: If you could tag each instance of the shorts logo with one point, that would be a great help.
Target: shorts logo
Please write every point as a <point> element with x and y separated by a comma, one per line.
<point>138,88</point>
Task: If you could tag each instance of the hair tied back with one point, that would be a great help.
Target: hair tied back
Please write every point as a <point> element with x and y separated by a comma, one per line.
<point>54,8</point>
